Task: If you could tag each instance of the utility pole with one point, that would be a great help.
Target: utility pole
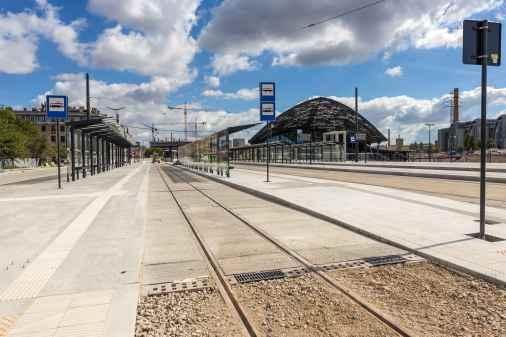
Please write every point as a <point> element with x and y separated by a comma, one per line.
<point>87,96</point>
<point>153,132</point>
<point>356,125</point>
<point>185,122</point>
<point>430,125</point>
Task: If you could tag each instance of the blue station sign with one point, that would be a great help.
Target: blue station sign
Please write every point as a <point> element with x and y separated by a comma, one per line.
<point>267,101</point>
<point>56,106</point>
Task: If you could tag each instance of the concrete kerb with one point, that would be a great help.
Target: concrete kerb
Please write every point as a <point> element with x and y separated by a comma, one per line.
<point>265,196</point>
<point>402,174</point>
<point>406,166</point>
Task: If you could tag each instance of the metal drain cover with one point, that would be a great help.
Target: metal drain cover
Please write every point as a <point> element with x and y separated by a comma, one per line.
<point>259,276</point>
<point>170,287</point>
<point>381,260</point>
<point>374,261</point>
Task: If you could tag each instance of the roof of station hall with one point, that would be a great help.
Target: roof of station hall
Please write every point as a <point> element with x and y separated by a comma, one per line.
<point>318,115</point>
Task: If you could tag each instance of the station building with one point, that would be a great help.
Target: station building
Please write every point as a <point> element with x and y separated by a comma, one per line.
<point>319,129</point>
<point>452,139</point>
<point>310,120</point>
<point>47,126</point>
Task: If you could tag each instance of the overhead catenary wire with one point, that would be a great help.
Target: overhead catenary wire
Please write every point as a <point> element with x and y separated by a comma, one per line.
<point>348,12</point>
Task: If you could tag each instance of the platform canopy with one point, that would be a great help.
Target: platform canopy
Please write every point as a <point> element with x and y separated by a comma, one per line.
<point>233,129</point>
<point>104,127</point>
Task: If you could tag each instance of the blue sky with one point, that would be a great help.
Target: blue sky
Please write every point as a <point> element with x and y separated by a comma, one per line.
<point>404,55</point>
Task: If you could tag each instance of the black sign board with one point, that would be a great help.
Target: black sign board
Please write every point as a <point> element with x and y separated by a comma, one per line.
<point>472,47</point>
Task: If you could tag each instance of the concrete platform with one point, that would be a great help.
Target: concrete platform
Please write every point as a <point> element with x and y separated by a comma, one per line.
<point>70,259</point>
<point>496,174</point>
<point>237,248</point>
<point>170,251</point>
<point>29,175</point>
<point>435,227</point>
<point>320,242</point>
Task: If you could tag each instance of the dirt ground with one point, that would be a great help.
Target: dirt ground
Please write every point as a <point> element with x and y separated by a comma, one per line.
<point>199,313</point>
<point>303,306</point>
<point>430,300</point>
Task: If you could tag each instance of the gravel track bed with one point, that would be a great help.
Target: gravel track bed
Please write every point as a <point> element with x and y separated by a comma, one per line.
<point>431,300</point>
<point>185,314</point>
<point>306,307</point>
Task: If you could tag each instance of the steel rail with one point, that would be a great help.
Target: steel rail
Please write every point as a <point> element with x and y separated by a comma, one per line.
<point>376,313</point>
<point>215,269</point>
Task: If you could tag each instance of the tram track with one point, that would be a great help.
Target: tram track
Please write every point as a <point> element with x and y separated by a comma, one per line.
<point>216,271</point>
<point>314,269</point>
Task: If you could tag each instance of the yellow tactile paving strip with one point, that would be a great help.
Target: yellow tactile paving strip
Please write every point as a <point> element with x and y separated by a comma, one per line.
<point>37,274</point>
<point>6,323</point>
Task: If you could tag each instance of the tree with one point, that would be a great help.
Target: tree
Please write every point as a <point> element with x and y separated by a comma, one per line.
<point>153,150</point>
<point>20,138</point>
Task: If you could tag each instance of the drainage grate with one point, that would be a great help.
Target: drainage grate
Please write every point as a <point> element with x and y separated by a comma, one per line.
<point>170,287</point>
<point>374,261</point>
<point>382,260</point>
<point>259,276</point>
<point>489,238</point>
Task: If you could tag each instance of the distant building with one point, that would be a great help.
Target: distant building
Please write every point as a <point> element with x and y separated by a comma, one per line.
<point>399,143</point>
<point>169,147</point>
<point>47,126</point>
<point>237,142</point>
<point>453,138</point>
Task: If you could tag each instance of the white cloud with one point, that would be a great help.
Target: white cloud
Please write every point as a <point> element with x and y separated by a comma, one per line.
<point>406,115</point>
<point>229,63</point>
<point>274,27</point>
<point>151,37</point>
<point>138,99</point>
<point>394,71</point>
<point>20,34</point>
<point>244,94</point>
<point>212,81</point>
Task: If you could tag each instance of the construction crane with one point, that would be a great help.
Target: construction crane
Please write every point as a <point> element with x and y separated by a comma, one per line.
<point>195,123</point>
<point>153,130</point>
<point>185,108</point>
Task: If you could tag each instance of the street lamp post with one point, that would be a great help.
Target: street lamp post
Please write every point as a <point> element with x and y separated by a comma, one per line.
<point>430,125</point>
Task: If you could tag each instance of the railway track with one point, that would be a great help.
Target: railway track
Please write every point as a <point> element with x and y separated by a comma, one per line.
<point>225,287</point>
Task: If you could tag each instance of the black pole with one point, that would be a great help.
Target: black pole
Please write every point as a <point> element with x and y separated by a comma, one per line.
<point>58,151</point>
<point>73,153</point>
<point>83,153</point>
<point>356,124</point>
<point>87,96</point>
<point>97,139</point>
<point>268,149</point>
<point>483,133</point>
<point>92,164</point>
<point>430,145</point>
<point>228,152</point>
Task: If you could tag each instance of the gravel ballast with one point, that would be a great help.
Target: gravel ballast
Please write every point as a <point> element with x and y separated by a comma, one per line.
<point>304,306</point>
<point>185,314</point>
<point>431,300</point>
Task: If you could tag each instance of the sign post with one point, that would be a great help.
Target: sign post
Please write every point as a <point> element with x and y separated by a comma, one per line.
<point>57,108</point>
<point>482,46</point>
<point>268,113</point>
